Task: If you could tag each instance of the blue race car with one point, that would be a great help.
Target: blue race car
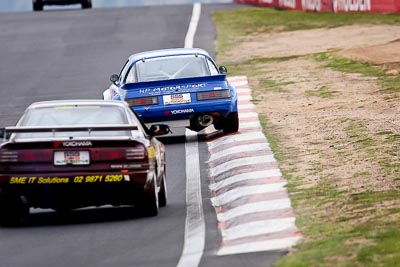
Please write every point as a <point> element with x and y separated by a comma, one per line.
<point>177,84</point>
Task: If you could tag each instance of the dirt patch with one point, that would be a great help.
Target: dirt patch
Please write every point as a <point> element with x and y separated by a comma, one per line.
<point>387,54</point>
<point>313,41</point>
<point>376,54</point>
<point>318,129</point>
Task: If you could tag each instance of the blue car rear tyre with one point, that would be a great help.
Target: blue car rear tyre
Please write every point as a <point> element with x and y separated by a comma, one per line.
<point>231,123</point>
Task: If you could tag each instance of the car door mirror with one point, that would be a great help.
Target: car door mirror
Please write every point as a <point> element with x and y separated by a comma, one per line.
<point>114,79</point>
<point>159,129</point>
<point>223,70</point>
<point>4,135</point>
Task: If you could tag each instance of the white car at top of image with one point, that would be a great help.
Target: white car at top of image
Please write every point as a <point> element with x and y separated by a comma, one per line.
<point>39,4</point>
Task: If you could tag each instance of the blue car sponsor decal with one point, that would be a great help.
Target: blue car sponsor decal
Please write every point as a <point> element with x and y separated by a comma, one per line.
<point>178,111</point>
<point>185,88</point>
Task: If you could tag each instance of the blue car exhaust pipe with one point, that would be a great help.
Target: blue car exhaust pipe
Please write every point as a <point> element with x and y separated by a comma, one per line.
<point>205,120</point>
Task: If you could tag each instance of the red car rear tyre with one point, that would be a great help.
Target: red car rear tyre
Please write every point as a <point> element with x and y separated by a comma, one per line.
<point>12,210</point>
<point>149,206</point>
<point>162,195</point>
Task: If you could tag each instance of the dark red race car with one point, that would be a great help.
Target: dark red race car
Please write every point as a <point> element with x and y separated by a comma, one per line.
<point>70,154</point>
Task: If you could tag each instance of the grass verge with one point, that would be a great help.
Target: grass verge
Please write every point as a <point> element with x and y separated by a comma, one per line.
<point>233,24</point>
<point>341,227</point>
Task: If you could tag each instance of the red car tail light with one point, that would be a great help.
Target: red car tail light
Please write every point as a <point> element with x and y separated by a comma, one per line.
<point>115,155</point>
<point>27,156</point>
<point>142,101</point>
<point>213,95</point>
<point>8,156</point>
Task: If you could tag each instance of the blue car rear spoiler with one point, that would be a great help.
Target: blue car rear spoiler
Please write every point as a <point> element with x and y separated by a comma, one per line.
<point>191,80</point>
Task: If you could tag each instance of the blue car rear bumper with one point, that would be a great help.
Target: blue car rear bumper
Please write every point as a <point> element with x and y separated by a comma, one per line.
<point>217,108</point>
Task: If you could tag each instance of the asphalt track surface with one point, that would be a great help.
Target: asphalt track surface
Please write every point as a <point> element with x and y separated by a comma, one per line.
<point>70,54</point>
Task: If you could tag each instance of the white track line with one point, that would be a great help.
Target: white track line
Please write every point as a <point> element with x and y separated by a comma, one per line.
<point>189,39</point>
<point>194,242</point>
<point>243,191</point>
<point>245,176</point>
<point>193,245</point>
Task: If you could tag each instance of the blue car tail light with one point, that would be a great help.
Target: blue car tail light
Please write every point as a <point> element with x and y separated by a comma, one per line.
<point>213,95</point>
<point>142,101</point>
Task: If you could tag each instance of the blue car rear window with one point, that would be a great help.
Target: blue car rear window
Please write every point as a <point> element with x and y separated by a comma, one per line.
<point>166,68</point>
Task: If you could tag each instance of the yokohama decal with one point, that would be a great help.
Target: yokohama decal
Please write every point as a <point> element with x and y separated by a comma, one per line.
<point>351,5</point>
<point>77,143</point>
<point>182,111</point>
